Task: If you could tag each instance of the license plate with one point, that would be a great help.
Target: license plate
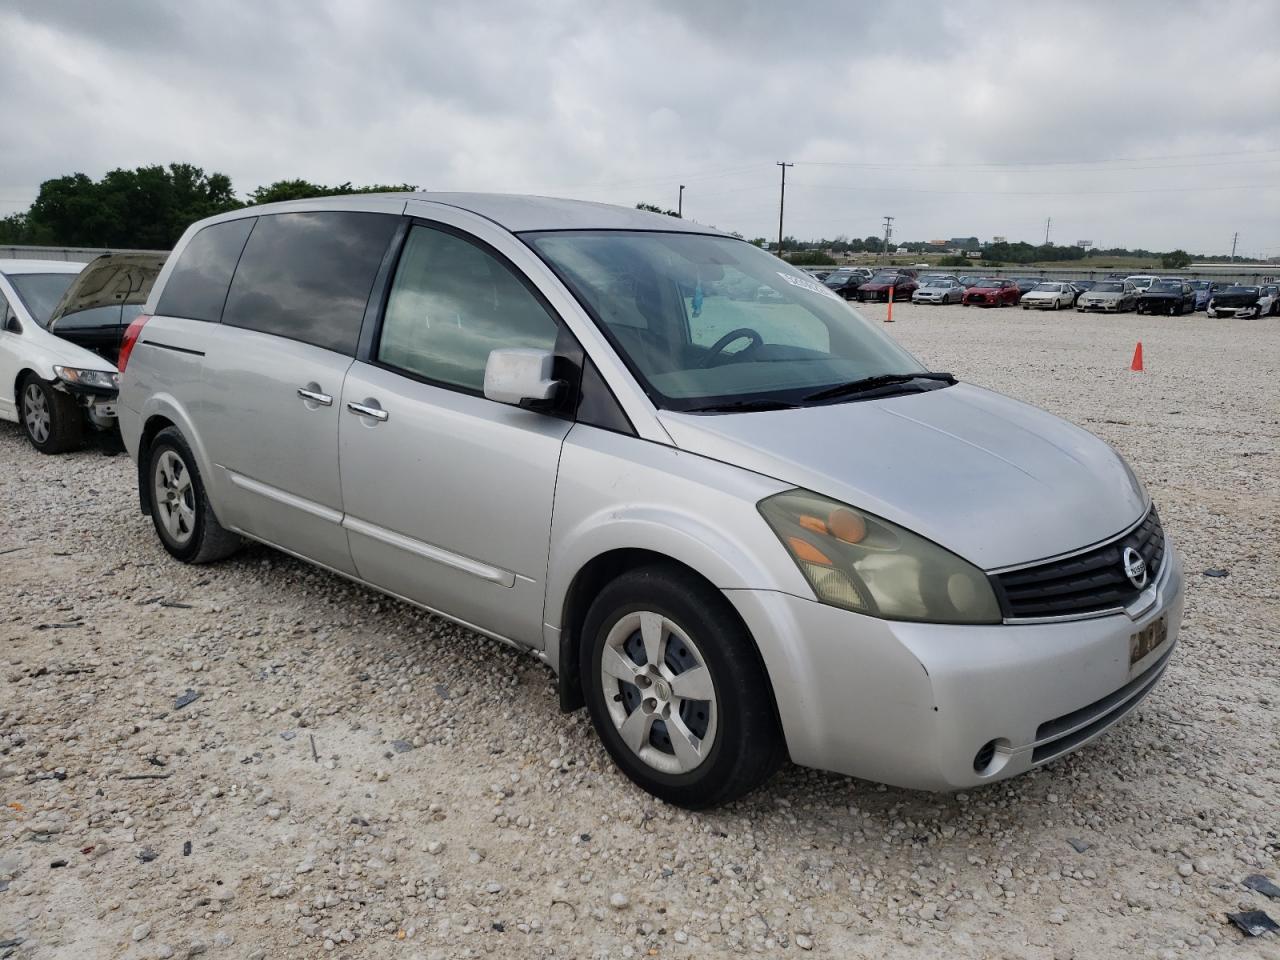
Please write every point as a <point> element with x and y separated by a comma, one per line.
<point>1147,639</point>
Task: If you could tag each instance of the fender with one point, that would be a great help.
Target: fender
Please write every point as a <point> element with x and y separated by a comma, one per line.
<point>166,405</point>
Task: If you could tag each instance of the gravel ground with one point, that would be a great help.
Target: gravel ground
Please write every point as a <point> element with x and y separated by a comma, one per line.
<point>361,778</point>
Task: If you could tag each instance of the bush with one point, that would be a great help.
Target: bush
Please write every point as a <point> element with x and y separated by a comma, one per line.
<point>810,258</point>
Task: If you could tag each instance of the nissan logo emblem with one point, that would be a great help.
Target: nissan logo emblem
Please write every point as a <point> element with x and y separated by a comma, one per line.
<point>1135,568</point>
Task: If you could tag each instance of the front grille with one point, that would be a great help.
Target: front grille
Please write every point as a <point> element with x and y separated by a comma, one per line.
<point>1086,583</point>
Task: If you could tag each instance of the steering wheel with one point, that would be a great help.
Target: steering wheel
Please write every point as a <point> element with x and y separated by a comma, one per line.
<point>717,348</point>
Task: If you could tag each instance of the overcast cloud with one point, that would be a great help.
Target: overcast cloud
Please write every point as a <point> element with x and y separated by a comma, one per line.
<point>932,112</point>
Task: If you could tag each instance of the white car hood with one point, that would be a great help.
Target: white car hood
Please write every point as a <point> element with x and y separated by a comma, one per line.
<point>996,481</point>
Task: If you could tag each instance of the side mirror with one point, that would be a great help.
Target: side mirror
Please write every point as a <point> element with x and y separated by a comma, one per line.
<point>12,324</point>
<point>519,375</point>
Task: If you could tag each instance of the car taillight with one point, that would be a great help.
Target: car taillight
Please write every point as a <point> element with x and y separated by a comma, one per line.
<point>130,338</point>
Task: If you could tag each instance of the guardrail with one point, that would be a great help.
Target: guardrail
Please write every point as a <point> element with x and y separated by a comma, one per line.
<point>72,254</point>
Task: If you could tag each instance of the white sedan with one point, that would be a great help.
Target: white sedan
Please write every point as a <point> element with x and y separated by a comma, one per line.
<point>52,387</point>
<point>1049,296</point>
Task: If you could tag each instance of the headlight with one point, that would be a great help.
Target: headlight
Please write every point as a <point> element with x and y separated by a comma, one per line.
<point>860,562</point>
<point>103,379</point>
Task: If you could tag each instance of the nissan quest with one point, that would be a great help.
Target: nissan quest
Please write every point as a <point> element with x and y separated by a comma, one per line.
<point>738,529</point>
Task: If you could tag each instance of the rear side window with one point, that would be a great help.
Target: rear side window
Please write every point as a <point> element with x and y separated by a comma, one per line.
<point>197,286</point>
<point>451,303</point>
<point>307,276</point>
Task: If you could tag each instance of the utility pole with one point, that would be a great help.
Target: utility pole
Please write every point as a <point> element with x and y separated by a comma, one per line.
<point>782,198</point>
<point>888,234</point>
<point>1234,240</point>
<point>1047,221</point>
<point>680,202</point>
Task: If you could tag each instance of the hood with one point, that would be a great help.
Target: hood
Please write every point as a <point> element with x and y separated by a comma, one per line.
<point>112,279</point>
<point>994,480</point>
<point>880,285</point>
<point>1160,295</point>
<point>1101,295</point>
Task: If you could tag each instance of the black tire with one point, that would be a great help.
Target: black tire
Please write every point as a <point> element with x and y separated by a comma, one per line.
<point>747,744</point>
<point>203,540</point>
<point>51,420</point>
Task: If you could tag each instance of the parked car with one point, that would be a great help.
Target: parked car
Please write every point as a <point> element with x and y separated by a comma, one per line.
<point>901,282</point>
<point>1109,296</point>
<point>936,276</point>
<point>1236,300</point>
<point>1025,284</point>
<point>938,290</point>
<point>1052,295</point>
<point>1141,281</point>
<point>1081,286</point>
<point>502,410</point>
<point>1174,297</point>
<point>1269,302</point>
<point>54,388</point>
<point>1203,290</point>
<point>846,281</point>
<point>991,292</point>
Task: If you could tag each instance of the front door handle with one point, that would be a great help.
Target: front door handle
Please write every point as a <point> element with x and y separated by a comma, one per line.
<point>315,396</point>
<point>364,410</point>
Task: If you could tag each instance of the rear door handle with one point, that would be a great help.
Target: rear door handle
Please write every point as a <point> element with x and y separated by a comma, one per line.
<point>364,410</point>
<point>315,396</point>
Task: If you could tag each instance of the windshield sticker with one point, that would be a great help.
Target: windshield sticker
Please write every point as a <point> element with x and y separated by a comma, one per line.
<point>811,285</point>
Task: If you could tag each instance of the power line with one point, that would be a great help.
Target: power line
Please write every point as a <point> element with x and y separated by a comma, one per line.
<point>899,164</point>
<point>1040,193</point>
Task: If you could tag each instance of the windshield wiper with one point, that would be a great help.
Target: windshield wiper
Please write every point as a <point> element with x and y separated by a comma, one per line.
<point>743,406</point>
<point>854,387</point>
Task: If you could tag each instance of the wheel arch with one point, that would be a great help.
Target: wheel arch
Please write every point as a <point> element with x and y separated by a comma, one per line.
<point>587,583</point>
<point>161,411</point>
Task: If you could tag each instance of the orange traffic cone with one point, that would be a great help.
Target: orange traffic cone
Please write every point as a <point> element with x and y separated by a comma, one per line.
<point>1137,358</point>
<point>889,318</point>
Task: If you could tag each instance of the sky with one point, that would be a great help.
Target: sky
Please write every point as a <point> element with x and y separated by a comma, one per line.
<point>1127,123</point>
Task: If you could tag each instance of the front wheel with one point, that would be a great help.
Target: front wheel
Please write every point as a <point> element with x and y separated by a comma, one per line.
<point>676,690</point>
<point>180,510</point>
<point>52,421</point>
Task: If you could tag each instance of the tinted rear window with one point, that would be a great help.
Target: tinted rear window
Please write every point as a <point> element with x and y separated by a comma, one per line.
<point>307,276</point>
<point>197,287</point>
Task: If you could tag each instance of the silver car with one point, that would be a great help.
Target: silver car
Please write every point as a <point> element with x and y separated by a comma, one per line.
<point>938,290</point>
<point>737,530</point>
<point>1108,296</point>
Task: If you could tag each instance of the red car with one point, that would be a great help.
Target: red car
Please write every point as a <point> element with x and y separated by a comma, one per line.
<point>992,292</point>
<point>901,282</point>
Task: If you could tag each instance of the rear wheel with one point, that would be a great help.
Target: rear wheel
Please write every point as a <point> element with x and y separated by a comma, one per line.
<point>676,691</point>
<point>51,419</point>
<point>183,518</point>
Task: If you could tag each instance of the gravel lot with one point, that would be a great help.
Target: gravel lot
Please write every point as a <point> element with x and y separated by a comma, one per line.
<point>361,778</point>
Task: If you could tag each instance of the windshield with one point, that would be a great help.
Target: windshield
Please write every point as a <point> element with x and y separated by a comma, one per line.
<point>1237,288</point>
<point>40,292</point>
<point>672,306</point>
<point>1165,286</point>
<point>937,283</point>
<point>988,282</point>
<point>1048,287</point>
<point>1109,286</point>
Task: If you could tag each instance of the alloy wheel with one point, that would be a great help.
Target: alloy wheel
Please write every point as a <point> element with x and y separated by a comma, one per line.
<point>175,497</point>
<point>659,692</point>
<point>35,410</point>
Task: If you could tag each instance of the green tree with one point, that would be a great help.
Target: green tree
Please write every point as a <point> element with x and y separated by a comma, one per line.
<point>809,258</point>
<point>305,190</point>
<point>1175,259</point>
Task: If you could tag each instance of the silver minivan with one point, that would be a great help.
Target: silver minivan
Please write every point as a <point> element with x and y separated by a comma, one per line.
<point>738,529</point>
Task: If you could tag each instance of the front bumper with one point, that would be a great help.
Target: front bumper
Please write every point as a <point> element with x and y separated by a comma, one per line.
<point>912,704</point>
<point>1111,306</point>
